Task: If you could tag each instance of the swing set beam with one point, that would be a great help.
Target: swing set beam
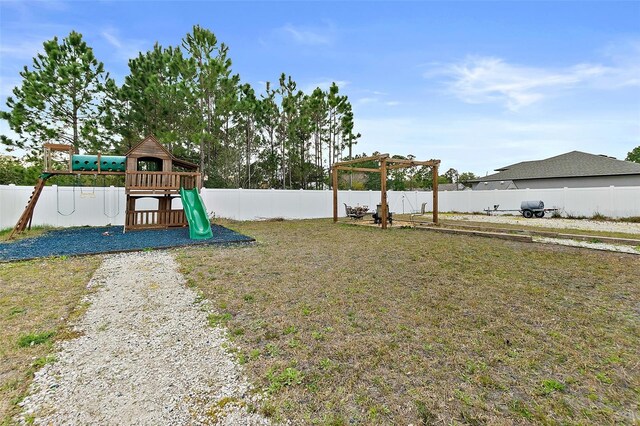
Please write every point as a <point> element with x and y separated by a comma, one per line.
<point>24,222</point>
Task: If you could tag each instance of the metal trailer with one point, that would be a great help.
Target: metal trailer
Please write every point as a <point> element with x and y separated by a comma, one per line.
<point>528,209</point>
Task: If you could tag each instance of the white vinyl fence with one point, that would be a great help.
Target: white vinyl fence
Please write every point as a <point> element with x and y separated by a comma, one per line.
<point>68,206</point>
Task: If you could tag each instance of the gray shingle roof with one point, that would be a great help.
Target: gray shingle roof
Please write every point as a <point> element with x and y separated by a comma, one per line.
<point>451,187</point>
<point>495,184</point>
<point>571,164</point>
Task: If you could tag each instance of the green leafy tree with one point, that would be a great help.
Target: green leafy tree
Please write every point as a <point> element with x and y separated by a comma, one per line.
<point>317,109</point>
<point>59,98</point>
<point>12,171</point>
<point>337,108</point>
<point>423,177</point>
<point>300,131</point>
<point>268,122</point>
<point>397,180</point>
<point>466,177</point>
<point>451,175</point>
<point>634,155</point>
<point>214,94</point>
<point>246,112</point>
<point>288,98</point>
<point>154,99</point>
<point>116,113</point>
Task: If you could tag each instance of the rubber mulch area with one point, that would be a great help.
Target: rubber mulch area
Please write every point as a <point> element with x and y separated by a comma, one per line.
<point>84,241</point>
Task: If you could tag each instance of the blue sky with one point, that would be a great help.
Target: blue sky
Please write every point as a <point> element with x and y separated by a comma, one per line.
<point>478,84</point>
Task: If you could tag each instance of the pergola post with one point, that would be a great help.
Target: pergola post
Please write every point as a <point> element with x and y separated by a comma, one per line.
<point>334,184</point>
<point>383,192</point>
<point>386,163</point>
<point>435,194</point>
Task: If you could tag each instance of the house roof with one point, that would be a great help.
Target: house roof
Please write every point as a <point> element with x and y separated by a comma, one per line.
<point>571,164</point>
<point>496,184</point>
<point>451,187</point>
<point>148,138</point>
<point>176,161</point>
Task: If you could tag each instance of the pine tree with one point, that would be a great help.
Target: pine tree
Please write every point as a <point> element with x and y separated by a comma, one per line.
<point>246,119</point>
<point>59,99</point>
<point>317,110</point>
<point>154,98</point>
<point>214,92</point>
<point>268,122</point>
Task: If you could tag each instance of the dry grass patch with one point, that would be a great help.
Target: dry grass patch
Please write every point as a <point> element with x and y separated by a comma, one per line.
<point>27,233</point>
<point>36,299</point>
<point>351,325</point>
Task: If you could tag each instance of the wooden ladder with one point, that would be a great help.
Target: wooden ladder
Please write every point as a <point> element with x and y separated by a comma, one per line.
<point>27,215</point>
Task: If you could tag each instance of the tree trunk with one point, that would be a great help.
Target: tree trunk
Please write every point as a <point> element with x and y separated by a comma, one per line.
<point>248,159</point>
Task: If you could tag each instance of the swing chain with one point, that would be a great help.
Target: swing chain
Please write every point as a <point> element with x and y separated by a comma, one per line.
<point>104,200</point>
<point>73,197</point>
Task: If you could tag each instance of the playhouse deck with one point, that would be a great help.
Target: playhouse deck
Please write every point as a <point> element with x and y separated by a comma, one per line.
<point>162,183</point>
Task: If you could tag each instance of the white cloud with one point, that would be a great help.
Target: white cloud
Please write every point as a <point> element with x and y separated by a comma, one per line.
<point>324,84</point>
<point>374,100</point>
<point>481,144</point>
<point>23,50</point>
<point>6,86</point>
<point>310,36</point>
<point>112,39</point>
<point>124,49</point>
<point>625,58</point>
<point>493,80</point>
<point>367,100</point>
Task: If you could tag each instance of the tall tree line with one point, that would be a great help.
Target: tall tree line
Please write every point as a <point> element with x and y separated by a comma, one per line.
<point>188,96</point>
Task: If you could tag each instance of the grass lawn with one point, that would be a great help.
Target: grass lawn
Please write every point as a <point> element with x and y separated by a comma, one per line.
<point>36,299</point>
<point>29,233</point>
<point>352,325</point>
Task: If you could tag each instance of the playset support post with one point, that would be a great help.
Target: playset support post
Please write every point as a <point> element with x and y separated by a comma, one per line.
<point>148,169</point>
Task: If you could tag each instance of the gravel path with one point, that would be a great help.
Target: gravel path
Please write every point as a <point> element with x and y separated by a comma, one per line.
<point>587,225</point>
<point>146,356</point>
<point>558,223</point>
<point>586,244</point>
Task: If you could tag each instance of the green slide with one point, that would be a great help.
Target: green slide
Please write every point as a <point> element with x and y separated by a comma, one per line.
<point>199,225</point>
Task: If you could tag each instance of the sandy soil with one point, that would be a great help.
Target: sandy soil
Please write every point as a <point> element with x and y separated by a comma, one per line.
<point>558,223</point>
<point>587,225</point>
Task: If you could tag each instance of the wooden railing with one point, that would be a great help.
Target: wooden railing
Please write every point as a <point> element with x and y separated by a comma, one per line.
<point>155,219</point>
<point>160,181</point>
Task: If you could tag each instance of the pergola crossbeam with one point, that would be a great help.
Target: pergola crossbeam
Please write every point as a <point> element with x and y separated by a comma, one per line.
<point>358,169</point>
<point>383,159</point>
<point>409,163</point>
<point>363,159</point>
<point>406,166</point>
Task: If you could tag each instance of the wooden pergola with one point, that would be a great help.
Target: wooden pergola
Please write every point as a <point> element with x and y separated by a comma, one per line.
<point>386,163</point>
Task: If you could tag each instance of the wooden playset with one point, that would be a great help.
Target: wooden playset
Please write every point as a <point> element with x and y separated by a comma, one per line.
<point>150,171</point>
